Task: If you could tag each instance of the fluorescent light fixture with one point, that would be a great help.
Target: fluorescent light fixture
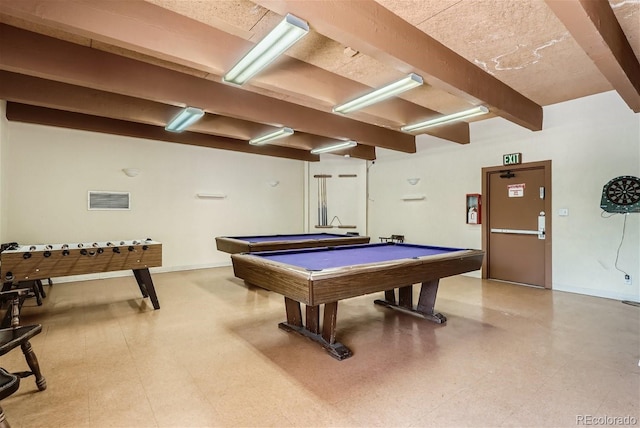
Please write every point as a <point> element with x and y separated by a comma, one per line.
<point>388,91</point>
<point>334,147</point>
<point>282,37</point>
<point>280,133</point>
<point>185,118</point>
<point>476,111</point>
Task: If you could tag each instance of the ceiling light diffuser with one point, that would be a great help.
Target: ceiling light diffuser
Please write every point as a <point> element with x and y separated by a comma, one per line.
<point>380,94</point>
<point>476,111</point>
<point>184,119</point>
<point>334,147</point>
<point>282,37</point>
<point>280,133</point>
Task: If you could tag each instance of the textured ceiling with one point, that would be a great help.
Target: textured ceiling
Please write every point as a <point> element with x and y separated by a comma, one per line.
<point>127,67</point>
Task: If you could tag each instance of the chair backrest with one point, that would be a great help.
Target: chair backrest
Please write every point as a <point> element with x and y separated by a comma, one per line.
<point>9,246</point>
<point>9,383</point>
<point>12,315</point>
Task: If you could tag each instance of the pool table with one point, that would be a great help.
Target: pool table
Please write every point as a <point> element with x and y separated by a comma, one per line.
<point>323,276</point>
<point>247,244</point>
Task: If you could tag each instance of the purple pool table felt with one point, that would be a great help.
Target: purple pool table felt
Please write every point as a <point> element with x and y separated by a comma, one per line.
<point>317,259</point>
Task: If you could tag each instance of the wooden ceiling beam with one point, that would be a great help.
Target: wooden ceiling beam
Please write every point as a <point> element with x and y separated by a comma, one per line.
<point>150,30</point>
<point>368,27</point>
<point>25,89</point>
<point>41,56</point>
<point>594,26</point>
<point>45,116</point>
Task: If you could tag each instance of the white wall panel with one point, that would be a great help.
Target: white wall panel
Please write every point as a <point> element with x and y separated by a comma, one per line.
<point>590,141</point>
<point>48,172</point>
<point>346,196</point>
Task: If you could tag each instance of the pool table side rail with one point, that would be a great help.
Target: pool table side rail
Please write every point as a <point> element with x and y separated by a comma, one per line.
<point>234,245</point>
<point>331,285</point>
<point>277,277</point>
<point>332,272</point>
<point>231,245</point>
<point>369,279</point>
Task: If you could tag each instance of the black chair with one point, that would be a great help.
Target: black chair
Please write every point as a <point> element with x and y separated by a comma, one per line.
<point>9,383</point>
<point>19,335</point>
<point>398,239</point>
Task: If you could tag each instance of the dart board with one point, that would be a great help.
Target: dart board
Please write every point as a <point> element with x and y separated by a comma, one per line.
<point>621,195</point>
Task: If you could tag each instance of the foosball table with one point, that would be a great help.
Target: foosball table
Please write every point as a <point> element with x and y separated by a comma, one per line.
<point>30,263</point>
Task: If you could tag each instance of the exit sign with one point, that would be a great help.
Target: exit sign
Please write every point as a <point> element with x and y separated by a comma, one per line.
<point>512,159</point>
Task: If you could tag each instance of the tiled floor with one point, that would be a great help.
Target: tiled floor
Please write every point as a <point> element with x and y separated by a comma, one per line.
<point>508,356</point>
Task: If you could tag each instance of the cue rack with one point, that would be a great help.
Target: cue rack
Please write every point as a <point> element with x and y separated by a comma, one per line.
<point>323,217</point>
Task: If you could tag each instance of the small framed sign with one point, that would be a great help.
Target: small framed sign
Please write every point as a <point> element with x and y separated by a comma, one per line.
<point>516,190</point>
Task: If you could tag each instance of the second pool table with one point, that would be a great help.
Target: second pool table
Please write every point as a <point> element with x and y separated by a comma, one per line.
<point>247,244</point>
<point>323,276</point>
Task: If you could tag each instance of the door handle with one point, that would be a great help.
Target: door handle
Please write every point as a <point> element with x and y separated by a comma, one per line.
<point>541,232</point>
<point>516,231</point>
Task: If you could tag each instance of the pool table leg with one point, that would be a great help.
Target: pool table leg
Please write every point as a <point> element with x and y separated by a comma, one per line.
<point>426,301</point>
<point>325,337</point>
<point>405,296</point>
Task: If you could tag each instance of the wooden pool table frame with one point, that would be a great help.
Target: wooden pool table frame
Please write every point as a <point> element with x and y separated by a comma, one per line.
<point>314,288</point>
<point>233,245</point>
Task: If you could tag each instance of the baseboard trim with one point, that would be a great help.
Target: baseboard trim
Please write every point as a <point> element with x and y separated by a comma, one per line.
<point>123,273</point>
<point>596,293</point>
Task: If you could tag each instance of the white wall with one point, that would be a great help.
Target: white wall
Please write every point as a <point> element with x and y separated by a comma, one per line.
<point>346,196</point>
<point>47,172</point>
<point>590,141</point>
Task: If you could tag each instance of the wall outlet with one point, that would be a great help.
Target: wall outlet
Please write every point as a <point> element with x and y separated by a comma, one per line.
<point>627,279</point>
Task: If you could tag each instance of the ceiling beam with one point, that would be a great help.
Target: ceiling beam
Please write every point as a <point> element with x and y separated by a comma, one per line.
<point>64,119</point>
<point>151,30</point>
<point>41,56</point>
<point>368,27</point>
<point>25,89</point>
<point>594,25</point>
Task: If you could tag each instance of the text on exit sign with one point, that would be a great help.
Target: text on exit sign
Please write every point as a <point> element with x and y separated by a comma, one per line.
<point>512,159</point>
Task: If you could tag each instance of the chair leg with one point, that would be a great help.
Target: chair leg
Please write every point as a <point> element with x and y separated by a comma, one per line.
<point>36,293</point>
<point>4,423</point>
<point>32,361</point>
<point>41,289</point>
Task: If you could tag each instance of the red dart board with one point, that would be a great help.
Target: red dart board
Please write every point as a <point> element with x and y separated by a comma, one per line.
<point>621,195</point>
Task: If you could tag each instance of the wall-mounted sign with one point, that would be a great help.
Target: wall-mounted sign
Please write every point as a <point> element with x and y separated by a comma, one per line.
<point>512,159</point>
<point>516,190</point>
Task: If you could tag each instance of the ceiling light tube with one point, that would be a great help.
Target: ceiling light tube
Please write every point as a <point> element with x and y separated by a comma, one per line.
<point>282,37</point>
<point>280,133</point>
<point>334,147</point>
<point>477,111</point>
<point>185,118</point>
<point>380,94</point>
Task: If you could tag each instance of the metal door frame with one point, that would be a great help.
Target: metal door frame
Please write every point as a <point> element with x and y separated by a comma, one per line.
<point>486,215</point>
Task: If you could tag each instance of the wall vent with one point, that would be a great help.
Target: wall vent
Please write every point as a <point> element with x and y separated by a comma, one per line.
<point>109,200</point>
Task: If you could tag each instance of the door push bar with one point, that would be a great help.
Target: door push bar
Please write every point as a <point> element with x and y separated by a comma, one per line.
<point>540,232</point>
